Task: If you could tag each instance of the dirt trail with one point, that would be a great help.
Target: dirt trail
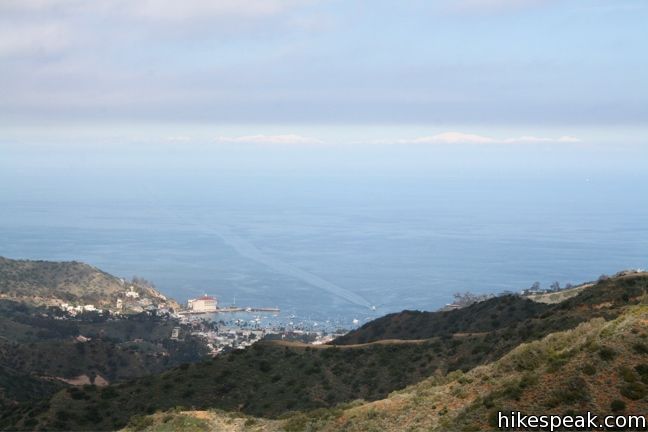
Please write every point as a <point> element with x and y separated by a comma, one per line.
<point>364,345</point>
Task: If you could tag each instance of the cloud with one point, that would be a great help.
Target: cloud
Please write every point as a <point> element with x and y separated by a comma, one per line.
<point>286,139</point>
<point>37,28</point>
<point>178,138</point>
<point>162,10</point>
<point>466,138</point>
<point>173,10</point>
<point>35,5</point>
<point>36,38</point>
<point>492,5</point>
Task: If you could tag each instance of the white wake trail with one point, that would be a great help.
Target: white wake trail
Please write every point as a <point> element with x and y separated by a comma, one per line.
<point>250,251</point>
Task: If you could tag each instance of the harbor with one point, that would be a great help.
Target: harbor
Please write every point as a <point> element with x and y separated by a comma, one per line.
<point>231,309</point>
<point>208,304</point>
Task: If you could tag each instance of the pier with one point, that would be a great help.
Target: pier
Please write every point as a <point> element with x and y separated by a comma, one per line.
<point>231,309</point>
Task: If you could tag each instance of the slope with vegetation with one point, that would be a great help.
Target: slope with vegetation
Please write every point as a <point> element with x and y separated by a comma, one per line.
<point>605,298</point>
<point>274,379</point>
<point>44,349</point>
<point>53,283</point>
<point>599,366</point>
<point>40,353</point>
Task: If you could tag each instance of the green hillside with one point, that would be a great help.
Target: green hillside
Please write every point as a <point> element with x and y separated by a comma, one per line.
<point>489,315</point>
<point>39,352</point>
<point>53,283</point>
<point>599,366</point>
<point>507,312</point>
<point>273,379</point>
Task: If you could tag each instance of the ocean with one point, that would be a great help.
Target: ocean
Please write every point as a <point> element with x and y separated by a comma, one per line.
<point>341,248</point>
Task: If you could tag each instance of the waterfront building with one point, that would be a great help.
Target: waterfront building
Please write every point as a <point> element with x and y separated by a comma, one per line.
<point>203,304</point>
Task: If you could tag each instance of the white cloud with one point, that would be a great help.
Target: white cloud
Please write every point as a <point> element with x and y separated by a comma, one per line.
<point>178,138</point>
<point>286,139</point>
<point>562,139</point>
<point>489,5</point>
<point>466,138</point>
<point>451,138</point>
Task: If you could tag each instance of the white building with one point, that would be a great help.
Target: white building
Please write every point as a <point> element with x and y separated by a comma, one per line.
<point>203,304</point>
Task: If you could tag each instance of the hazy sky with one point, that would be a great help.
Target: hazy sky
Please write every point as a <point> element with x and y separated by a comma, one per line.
<point>350,111</point>
<point>180,77</point>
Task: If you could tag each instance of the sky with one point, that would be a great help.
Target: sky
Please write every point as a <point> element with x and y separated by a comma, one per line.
<point>493,112</point>
<point>302,84</point>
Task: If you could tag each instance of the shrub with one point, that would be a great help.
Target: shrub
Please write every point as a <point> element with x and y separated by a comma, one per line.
<point>617,405</point>
<point>108,393</point>
<point>607,353</point>
<point>642,370</point>
<point>296,424</point>
<point>627,374</point>
<point>493,418</point>
<point>557,361</point>
<point>139,423</point>
<point>77,394</point>
<point>640,348</point>
<point>575,390</point>
<point>512,391</point>
<point>31,423</point>
<point>488,401</point>
<point>63,415</point>
<point>265,366</point>
<point>634,391</point>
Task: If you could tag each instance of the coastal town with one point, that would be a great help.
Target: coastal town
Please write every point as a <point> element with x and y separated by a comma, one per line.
<point>222,328</point>
<point>227,328</point>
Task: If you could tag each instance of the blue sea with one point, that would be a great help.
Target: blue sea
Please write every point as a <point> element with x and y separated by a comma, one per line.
<point>338,248</point>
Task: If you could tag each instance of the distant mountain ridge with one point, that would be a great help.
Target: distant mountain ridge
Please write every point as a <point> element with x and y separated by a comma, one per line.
<point>52,283</point>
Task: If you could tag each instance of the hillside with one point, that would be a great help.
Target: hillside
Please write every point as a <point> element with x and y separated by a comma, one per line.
<point>20,388</point>
<point>601,299</point>
<point>600,366</point>
<point>273,379</point>
<point>559,296</point>
<point>41,353</point>
<point>34,341</point>
<point>44,348</point>
<point>53,283</point>
<point>489,315</point>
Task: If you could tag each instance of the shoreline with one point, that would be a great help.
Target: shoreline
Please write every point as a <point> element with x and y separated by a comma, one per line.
<point>231,310</point>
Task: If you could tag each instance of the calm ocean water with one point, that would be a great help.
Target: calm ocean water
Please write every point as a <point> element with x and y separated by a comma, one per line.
<point>328,249</point>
